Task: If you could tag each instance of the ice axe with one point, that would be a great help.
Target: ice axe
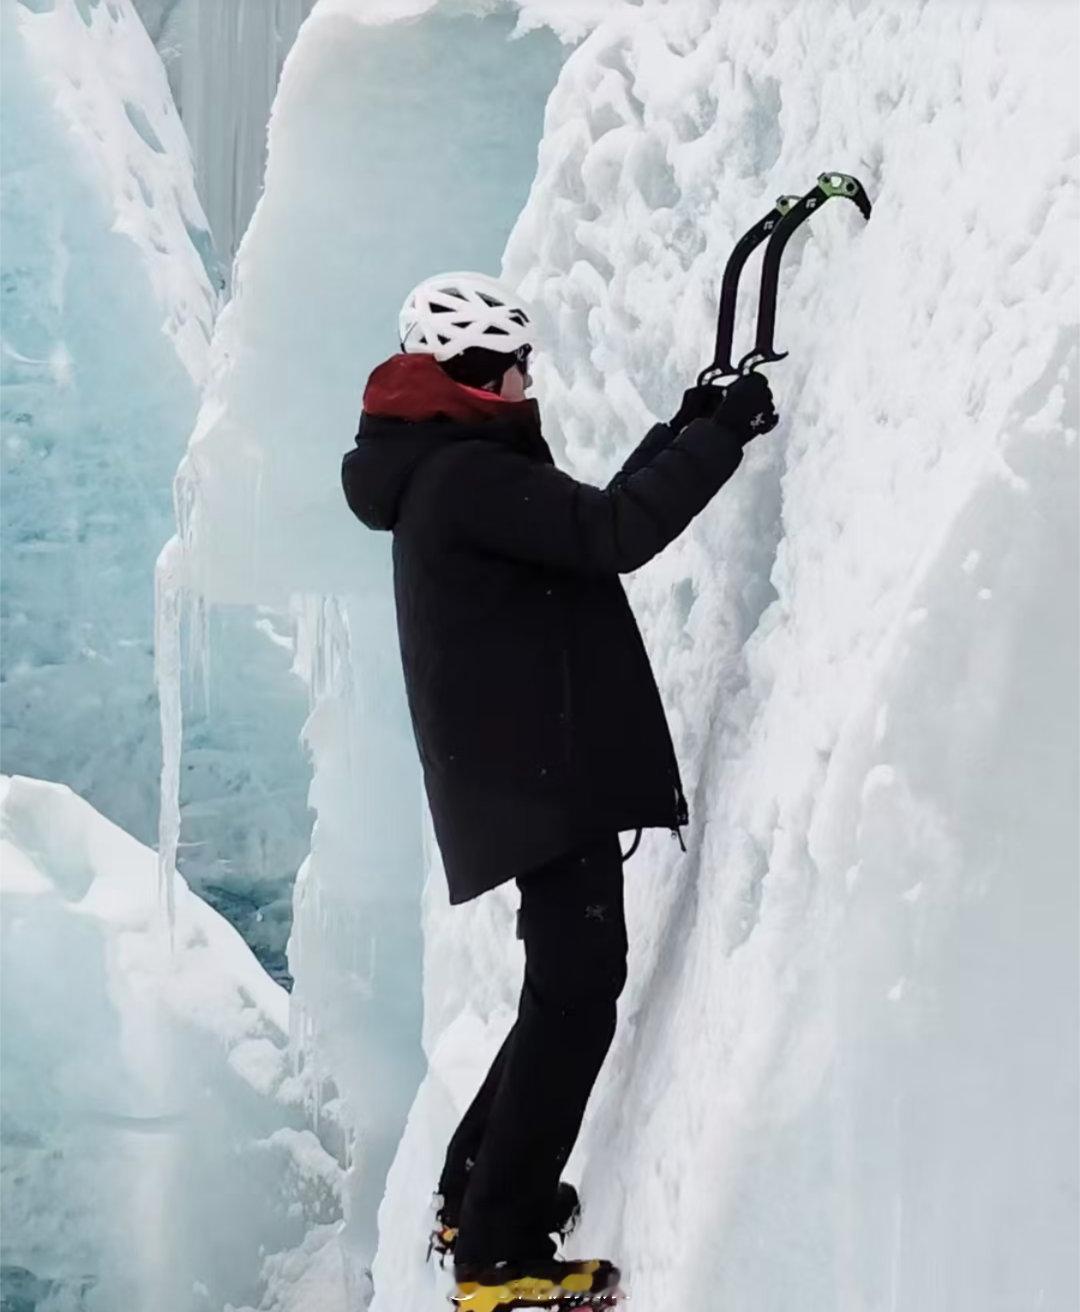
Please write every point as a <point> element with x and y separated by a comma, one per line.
<point>789,213</point>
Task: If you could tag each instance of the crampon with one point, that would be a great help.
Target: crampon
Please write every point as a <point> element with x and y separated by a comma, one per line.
<point>566,1213</point>
<point>589,1286</point>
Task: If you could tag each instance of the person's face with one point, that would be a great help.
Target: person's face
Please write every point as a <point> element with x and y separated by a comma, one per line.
<point>514,384</point>
<point>517,379</point>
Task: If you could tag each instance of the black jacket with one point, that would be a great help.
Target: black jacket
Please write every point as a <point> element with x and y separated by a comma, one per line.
<point>534,707</point>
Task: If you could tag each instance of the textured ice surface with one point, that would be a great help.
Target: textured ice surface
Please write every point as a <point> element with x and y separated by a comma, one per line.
<point>95,93</point>
<point>845,1075</point>
<point>223,59</point>
<point>244,774</point>
<point>395,150</point>
<point>156,1151</point>
<point>107,310</point>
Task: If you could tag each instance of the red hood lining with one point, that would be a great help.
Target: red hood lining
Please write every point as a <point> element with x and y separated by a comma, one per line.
<point>415,388</point>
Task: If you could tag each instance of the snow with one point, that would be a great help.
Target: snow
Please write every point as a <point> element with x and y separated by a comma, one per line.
<point>809,1102</point>
<point>825,1092</point>
<point>156,1152</point>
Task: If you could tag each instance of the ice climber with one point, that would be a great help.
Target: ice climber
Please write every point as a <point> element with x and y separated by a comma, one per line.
<point>538,722</point>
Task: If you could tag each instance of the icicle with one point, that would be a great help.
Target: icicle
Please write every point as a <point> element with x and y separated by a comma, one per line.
<point>168,607</point>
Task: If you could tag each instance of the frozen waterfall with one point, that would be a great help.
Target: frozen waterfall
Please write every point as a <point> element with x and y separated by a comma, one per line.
<point>807,1103</point>
<point>109,302</point>
<point>224,58</point>
<point>846,1072</point>
<point>108,310</point>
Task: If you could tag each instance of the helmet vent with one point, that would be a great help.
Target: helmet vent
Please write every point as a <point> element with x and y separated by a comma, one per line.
<point>449,314</point>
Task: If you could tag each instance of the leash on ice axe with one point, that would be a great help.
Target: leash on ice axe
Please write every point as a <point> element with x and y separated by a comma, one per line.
<point>789,213</point>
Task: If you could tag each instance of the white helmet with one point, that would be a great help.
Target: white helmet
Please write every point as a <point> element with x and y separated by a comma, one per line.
<point>447,314</point>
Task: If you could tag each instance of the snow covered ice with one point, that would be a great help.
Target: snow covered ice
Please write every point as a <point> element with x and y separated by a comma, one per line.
<point>846,1072</point>
<point>845,1078</point>
<point>156,1152</point>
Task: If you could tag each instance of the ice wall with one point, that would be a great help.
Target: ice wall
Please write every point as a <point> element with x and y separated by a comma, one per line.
<point>846,1071</point>
<point>223,59</point>
<point>156,1152</point>
<point>396,149</point>
<point>108,308</point>
<point>243,775</point>
<point>107,311</point>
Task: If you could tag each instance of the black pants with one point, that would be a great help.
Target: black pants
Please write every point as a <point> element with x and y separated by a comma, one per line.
<point>505,1158</point>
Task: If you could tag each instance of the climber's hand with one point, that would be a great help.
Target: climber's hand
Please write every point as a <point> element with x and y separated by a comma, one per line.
<point>747,408</point>
<point>744,406</point>
<point>697,403</point>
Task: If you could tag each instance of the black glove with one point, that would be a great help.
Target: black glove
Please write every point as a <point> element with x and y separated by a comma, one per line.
<point>745,407</point>
<point>697,403</point>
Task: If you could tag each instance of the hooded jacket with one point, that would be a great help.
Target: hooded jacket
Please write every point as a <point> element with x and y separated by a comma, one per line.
<point>536,714</point>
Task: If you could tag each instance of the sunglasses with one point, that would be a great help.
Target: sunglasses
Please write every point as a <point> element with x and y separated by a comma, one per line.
<point>521,358</point>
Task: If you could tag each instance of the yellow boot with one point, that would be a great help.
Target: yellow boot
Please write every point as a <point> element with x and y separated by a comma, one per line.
<point>544,1283</point>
